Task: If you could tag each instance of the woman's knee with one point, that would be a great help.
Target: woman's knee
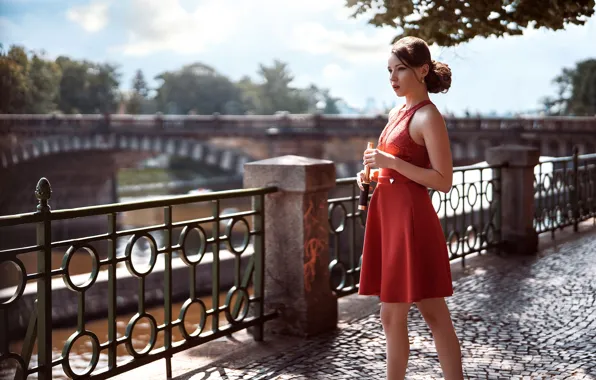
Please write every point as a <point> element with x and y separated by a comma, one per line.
<point>393,314</point>
<point>435,312</point>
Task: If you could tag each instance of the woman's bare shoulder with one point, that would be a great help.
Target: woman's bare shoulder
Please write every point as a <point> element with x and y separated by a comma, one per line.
<point>429,115</point>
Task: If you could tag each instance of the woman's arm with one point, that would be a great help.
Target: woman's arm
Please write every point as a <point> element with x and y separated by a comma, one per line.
<point>431,126</point>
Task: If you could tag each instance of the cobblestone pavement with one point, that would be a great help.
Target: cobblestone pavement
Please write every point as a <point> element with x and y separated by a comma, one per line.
<point>516,318</point>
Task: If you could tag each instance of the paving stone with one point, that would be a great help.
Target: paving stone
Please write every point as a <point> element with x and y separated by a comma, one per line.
<point>525,318</point>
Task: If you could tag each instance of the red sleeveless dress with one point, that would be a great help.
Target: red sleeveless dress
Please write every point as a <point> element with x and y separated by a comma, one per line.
<point>404,257</point>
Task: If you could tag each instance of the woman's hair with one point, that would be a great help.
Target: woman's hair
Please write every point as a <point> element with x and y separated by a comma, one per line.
<point>414,52</point>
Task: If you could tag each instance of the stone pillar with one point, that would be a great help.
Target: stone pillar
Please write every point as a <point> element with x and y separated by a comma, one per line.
<point>296,245</point>
<point>517,194</point>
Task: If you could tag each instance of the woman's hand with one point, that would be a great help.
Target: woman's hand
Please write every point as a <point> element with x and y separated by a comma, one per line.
<point>361,176</point>
<point>378,159</point>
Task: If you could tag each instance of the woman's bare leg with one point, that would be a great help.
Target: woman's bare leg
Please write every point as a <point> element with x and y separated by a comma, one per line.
<point>394,317</point>
<point>436,314</point>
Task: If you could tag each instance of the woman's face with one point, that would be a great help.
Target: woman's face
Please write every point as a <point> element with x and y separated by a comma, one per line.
<point>403,79</point>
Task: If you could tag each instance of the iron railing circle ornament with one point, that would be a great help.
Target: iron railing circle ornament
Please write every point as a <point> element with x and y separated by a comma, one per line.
<point>20,362</point>
<point>489,234</point>
<point>451,239</point>
<point>559,181</point>
<point>245,237</point>
<point>489,188</point>
<point>182,316</point>
<point>344,215</point>
<point>95,348</point>
<point>186,231</point>
<point>454,189</point>
<point>558,218</point>
<point>570,215</point>
<point>547,219</point>
<point>22,272</point>
<point>469,196</point>
<point>336,265</point>
<point>129,334</point>
<point>439,204</point>
<point>94,267</point>
<point>244,297</point>
<point>471,231</point>
<point>128,254</point>
<point>547,184</point>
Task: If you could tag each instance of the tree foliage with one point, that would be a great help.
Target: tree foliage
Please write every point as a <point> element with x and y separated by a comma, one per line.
<point>137,101</point>
<point>31,83</point>
<point>451,22</point>
<point>13,83</point>
<point>28,85</point>
<point>576,91</point>
<point>276,91</point>
<point>88,87</point>
<point>199,89</point>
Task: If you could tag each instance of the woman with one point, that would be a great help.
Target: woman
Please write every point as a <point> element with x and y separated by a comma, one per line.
<point>405,257</point>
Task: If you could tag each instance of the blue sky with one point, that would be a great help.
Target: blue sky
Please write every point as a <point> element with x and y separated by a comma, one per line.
<point>318,39</point>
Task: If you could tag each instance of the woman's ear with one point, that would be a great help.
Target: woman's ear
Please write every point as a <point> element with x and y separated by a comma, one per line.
<point>425,69</point>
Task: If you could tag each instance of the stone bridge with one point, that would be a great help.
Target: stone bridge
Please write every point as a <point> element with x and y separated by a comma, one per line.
<point>335,137</point>
<point>80,153</point>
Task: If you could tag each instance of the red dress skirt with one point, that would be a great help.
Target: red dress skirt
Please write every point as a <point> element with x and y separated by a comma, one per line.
<point>404,257</point>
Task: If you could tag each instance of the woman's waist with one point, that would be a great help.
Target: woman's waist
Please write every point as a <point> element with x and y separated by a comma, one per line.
<point>390,176</point>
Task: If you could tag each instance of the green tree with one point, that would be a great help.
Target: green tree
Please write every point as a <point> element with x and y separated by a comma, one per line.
<point>197,88</point>
<point>576,91</point>
<point>103,87</point>
<point>450,22</point>
<point>250,95</point>
<point>320,100</point>
<point>44,78</point>
<point>14,85</point>
<point>139,84</point>
<point>276,93</point>
<point>139,94</point>
<point>87,87</point>
<point>28,84</point>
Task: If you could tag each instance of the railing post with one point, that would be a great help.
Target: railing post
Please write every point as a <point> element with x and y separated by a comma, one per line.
<point>575,191</point>
<point>517,196</point>
<point>297,243</point>
<point>43,193</point>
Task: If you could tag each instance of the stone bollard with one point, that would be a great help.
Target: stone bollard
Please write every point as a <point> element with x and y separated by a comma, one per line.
<point>517,195</point>
<point>297,281</point>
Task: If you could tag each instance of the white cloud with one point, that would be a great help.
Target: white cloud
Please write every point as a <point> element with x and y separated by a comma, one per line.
<point>333,71</point>
<point>165,25</point>
<point>309,6</point>
<point>92,17</point>
<point>357,46</point>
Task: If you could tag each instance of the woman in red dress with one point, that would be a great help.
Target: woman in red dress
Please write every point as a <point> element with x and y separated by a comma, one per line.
<point>405,256</point>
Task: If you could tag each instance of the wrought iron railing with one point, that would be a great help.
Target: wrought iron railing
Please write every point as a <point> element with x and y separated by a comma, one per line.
<point>243,306</point>
<point>565,192</point>
<point>469,214</point>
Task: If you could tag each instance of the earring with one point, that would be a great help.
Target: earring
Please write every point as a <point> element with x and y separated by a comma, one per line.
<point>422,80</point>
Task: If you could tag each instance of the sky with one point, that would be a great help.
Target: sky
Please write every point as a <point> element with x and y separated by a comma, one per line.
<point>317,38</point>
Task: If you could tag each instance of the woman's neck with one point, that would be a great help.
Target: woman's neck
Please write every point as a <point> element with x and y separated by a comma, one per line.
<point>415,98</point>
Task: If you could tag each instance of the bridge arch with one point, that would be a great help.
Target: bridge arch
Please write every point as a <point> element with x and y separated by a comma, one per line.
<point>226,159</point>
